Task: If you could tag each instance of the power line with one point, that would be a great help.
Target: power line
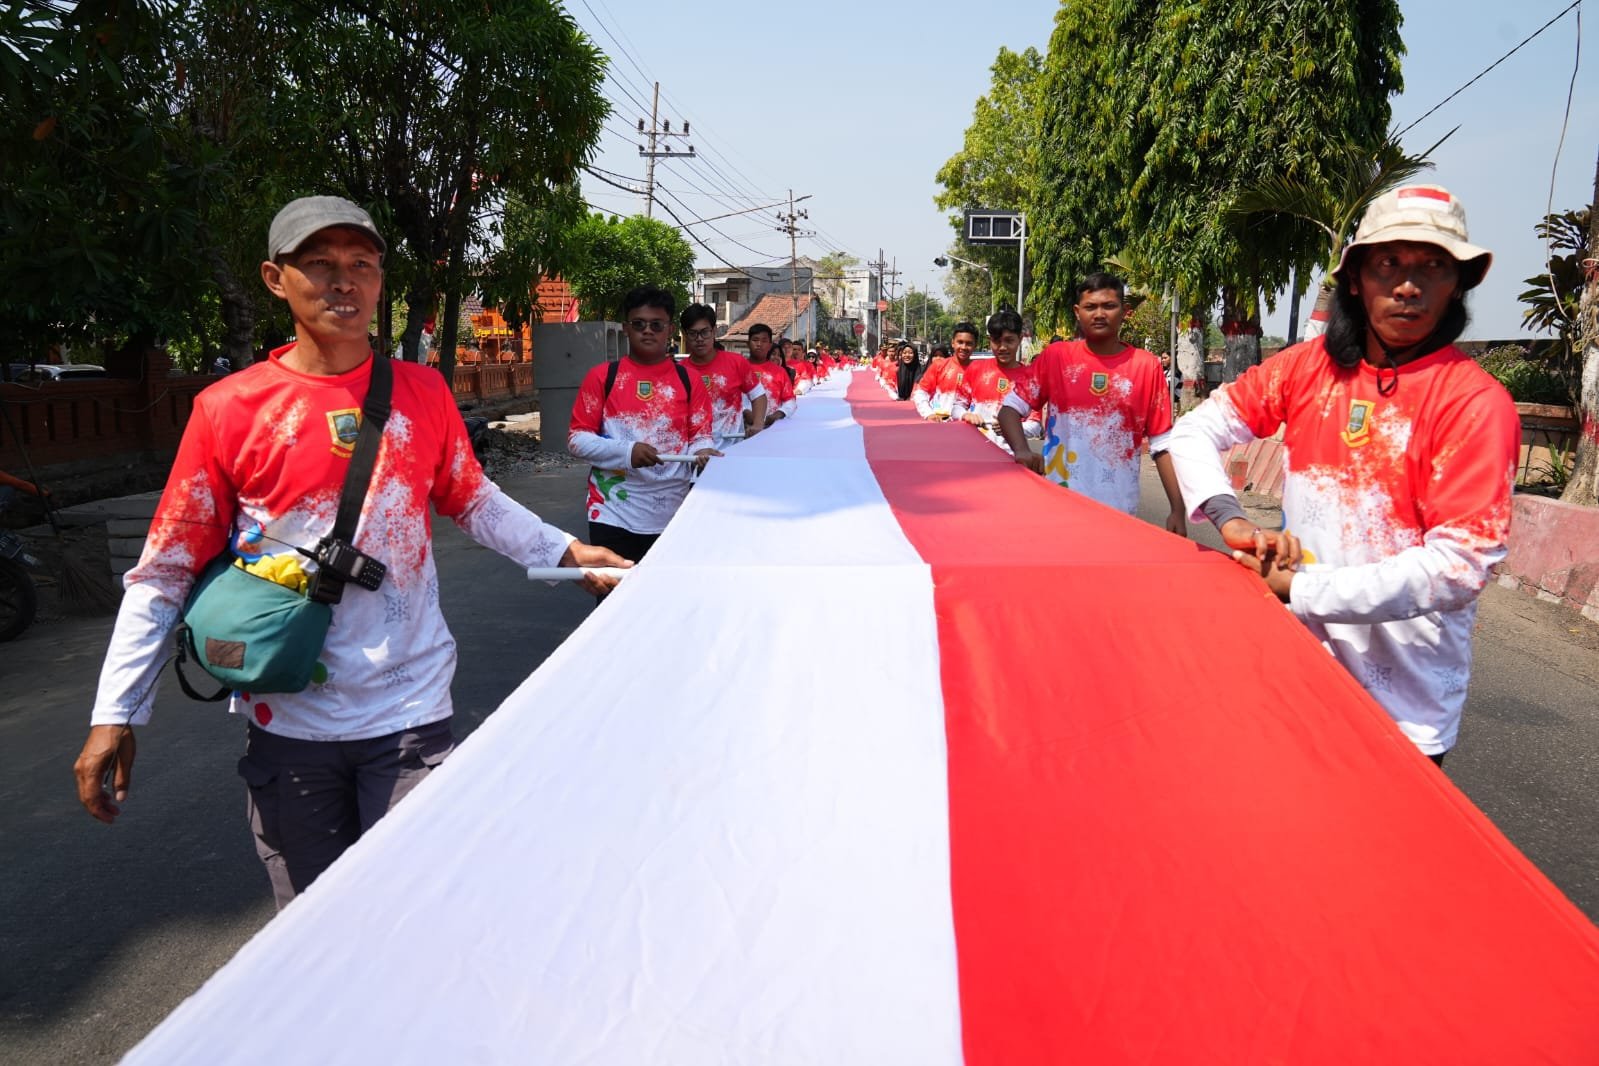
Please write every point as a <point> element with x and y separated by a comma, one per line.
<point>1554,169</point>
<point>707,225</point>
<point>1495,63</point>
<point>680,223</point>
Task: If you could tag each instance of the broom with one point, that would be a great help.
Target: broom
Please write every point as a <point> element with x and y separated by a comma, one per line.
<point>85,588</point>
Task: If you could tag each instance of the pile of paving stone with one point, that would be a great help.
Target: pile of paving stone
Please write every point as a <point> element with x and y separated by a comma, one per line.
<point>504,448</point>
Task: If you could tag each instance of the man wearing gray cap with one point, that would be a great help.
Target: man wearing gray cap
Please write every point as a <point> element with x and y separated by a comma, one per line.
<point>1399,454</point>
<point>259,475</point>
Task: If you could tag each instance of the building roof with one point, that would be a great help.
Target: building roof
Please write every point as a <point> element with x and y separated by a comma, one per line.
<point>778,310</point>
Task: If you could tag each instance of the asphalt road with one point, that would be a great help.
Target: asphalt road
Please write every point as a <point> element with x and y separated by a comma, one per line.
<point>104,930</point>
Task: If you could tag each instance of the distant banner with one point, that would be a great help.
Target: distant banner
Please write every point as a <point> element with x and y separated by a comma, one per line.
<point>895,753</point>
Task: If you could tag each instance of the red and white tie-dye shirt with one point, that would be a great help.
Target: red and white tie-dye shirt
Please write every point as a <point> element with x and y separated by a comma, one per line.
<point>646,404</point>
<point>1098,411</point>
<point>1402,504</point>
<point>983,389</point>
<point>935,393</point>
<point>260,470</point>
<point>779,386</point>
<point>730,381</point>
<point>803,378</point>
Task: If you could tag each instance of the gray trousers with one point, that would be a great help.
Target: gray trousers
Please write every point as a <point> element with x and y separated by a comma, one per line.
<point>309,800</point>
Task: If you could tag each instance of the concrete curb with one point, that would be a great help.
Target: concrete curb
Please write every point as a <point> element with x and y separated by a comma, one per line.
<point>1554,553</point>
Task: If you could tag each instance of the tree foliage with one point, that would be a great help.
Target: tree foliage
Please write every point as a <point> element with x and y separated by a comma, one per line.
<point>1157,115</point>
<point>998,164</point>
<point>440,120</point>
<point>1351,179</point>
<point>149,143</point>
<point>532,241</point>
<point>611,255</point>
<point>1553,299</point>
<point>971,297</point>
<point>94,216</point>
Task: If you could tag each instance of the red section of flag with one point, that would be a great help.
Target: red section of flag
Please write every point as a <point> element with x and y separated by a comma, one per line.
<point>1179,831</point>
<point>1424,193</point>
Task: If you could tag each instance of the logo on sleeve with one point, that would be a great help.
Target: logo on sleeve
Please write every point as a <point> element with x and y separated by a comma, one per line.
<point>1358,431</point>
<point>646,390</point>
<point>1099,384</point>
<point>344,426</point>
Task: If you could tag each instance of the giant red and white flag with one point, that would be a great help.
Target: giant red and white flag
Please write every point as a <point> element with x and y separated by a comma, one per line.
<point>894,753</point>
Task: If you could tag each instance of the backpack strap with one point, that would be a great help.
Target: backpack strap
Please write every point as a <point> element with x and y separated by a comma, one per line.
<point>682,375</point>
<point>610,383</point>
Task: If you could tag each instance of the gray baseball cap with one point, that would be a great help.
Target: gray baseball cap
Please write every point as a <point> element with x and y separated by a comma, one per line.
<point>300,218</point>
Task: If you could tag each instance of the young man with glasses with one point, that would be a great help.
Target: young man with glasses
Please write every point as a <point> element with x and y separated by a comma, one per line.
<point>728,378</point>
<point>629,414</point>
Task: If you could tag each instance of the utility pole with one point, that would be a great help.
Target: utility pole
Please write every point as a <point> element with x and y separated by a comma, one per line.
<point>660,130</point>
<point>885,286</point>
<point>877,266</point>
<point>1021,260</point>
<point>790,226</point>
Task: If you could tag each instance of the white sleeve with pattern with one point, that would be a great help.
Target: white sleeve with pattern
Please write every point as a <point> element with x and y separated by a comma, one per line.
<point>138,650</point>
<point>1445,573</point>
<point>498,522</point>
<point>603,452</point>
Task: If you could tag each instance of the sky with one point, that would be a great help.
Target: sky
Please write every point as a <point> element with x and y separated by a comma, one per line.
<point>857,105</point>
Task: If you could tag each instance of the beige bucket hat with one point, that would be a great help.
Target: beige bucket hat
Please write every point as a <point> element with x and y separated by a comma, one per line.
<point>1428,214</point>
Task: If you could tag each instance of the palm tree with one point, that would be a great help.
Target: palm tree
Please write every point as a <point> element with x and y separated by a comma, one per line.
<point>1333,207</point>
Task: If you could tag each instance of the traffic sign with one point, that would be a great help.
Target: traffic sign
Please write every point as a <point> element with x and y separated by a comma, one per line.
<point>882,305</point>
<point>860,328</point>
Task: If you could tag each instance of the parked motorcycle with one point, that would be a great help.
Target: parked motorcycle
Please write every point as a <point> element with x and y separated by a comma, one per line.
<point>19,598</point>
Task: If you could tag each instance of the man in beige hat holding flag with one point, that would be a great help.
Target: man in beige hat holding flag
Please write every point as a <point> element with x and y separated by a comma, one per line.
<point>1399,454</point>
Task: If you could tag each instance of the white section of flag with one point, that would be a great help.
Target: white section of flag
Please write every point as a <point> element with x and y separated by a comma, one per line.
<point>712,828</point>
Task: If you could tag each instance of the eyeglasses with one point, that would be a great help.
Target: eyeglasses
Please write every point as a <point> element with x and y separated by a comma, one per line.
<point>700,334</point>
<point>649,325</point>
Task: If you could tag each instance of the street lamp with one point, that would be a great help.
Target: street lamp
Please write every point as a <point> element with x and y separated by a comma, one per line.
<point>943,261</point>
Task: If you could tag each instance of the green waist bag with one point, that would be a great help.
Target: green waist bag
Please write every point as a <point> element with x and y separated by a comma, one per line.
<point>250,633</point>
<point>255,635</point>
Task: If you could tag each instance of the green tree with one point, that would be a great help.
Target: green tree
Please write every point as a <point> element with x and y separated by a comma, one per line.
<point>832,274</point>
<point>535,242</point>
<point>1553,299</point>
<point>434,124</point>
<point>94,215</point>
<point>970,291</point>
<point>611,255</point>
<point>997,165</point>
<point>238,128</point>
<point>926,318</point>
<point>1160,114</point>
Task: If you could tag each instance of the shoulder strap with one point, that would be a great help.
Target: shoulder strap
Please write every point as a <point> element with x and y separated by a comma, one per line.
<point>185,651</point>
<point>682,375</point>
<point>374,415</point>
<point>610,382</point>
